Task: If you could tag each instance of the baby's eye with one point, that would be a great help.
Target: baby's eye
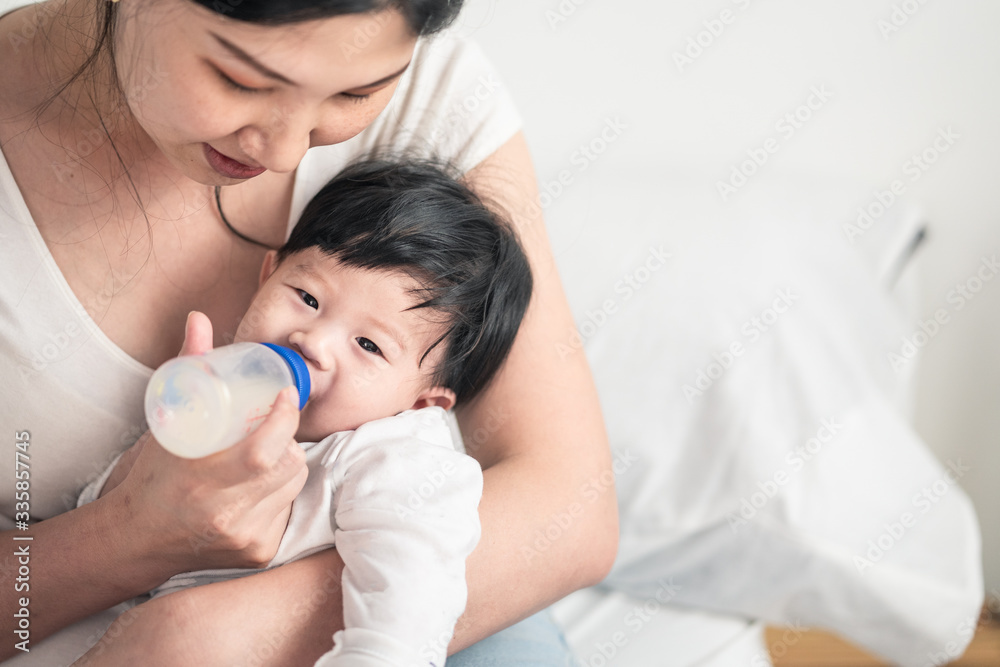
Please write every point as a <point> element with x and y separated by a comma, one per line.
<point>308,299</point>
<point>369,346</point>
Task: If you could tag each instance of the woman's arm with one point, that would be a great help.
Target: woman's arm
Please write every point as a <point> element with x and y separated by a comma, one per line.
<point>168,516</point>
<point>549,511</point>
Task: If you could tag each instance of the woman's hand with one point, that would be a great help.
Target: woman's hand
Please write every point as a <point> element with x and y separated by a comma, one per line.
<point>228,509</point>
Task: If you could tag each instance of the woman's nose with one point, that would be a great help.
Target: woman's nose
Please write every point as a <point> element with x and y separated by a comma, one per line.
<point>280,139</point>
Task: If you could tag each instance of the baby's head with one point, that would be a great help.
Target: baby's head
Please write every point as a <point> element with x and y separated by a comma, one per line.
<point>399,288</point>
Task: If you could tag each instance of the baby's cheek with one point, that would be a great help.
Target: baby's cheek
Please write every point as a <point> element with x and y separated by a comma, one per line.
<point>243,331</point>
<point>263,309</point>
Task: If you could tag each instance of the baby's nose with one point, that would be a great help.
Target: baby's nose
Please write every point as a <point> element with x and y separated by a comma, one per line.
<point>314,349</point>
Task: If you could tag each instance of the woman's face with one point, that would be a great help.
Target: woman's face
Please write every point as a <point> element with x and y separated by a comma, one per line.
<point>224,100</point>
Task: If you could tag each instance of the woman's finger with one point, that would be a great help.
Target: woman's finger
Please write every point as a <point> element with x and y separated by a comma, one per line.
<point>197,334</point>
<point>260,452</point>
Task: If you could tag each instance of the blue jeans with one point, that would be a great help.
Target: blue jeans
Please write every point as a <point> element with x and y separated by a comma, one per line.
<point>534,642</point>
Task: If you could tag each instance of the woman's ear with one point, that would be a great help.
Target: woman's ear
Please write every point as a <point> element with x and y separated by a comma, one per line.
<point>440,397</point>
<point>268,267</point>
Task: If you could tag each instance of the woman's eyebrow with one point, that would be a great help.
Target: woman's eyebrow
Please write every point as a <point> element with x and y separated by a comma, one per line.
<point>250,60</point>
<point>266,71</point>
<point>386,79</point>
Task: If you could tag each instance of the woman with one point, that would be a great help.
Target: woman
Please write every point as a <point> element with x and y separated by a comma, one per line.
<point>118,123</point>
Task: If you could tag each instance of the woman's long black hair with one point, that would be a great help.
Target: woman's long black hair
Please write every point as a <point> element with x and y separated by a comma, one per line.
<point>424,17</point>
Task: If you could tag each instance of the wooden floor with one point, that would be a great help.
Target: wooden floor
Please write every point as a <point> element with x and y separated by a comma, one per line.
<point>820,649</point>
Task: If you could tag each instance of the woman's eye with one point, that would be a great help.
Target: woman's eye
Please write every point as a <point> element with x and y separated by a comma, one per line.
<point>235,86</point>
<point>357,98</point>
<point>369,346</point>
<point>308,299</point>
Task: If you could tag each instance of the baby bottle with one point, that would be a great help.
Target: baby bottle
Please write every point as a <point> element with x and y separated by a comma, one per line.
<point>198,405</point>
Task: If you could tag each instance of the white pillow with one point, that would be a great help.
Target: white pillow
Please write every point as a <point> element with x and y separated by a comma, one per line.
<point>763,461</point>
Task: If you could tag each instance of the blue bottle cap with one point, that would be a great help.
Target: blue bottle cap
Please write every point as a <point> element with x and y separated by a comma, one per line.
<point>299,370</point>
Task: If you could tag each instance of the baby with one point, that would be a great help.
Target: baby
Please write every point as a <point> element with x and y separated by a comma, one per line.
<point>403,293</point>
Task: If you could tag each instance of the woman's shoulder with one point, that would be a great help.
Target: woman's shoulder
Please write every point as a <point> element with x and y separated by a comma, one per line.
<point>454,101</point>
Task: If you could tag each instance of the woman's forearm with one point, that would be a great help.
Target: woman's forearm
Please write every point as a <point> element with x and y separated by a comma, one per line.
<point>285,616</point>
<point>75,564</point>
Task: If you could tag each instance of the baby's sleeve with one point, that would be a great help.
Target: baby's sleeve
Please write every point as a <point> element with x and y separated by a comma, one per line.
<point>92,491</point>
<point>406,520</point>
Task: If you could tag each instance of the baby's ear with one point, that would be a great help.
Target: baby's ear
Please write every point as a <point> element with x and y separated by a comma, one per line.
<point>440,397</point>
<point>268,267</point>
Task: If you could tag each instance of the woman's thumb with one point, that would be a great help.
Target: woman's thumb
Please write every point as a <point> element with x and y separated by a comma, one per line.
<point>197,334</point>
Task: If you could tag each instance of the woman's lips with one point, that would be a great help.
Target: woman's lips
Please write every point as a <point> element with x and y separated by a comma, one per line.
<point>230,167</point>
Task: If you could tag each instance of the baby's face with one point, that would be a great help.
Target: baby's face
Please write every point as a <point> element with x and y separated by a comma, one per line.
<point>353,328</point>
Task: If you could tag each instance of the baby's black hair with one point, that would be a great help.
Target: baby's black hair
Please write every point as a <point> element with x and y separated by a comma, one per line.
<point>416,217</point>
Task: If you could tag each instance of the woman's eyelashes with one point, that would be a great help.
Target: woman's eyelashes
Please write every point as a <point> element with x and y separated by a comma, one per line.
<point>235,86</point>
<point>308,299</point>
<point>357,99</point>
<point>231,83</point>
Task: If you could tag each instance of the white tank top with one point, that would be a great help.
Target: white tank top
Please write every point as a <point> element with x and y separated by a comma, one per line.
<point>74,391</point>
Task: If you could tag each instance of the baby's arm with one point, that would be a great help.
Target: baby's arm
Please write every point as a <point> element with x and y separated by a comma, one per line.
<point>406,520</point>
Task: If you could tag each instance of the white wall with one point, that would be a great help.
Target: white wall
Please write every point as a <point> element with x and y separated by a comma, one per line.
<point>573,65</point>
